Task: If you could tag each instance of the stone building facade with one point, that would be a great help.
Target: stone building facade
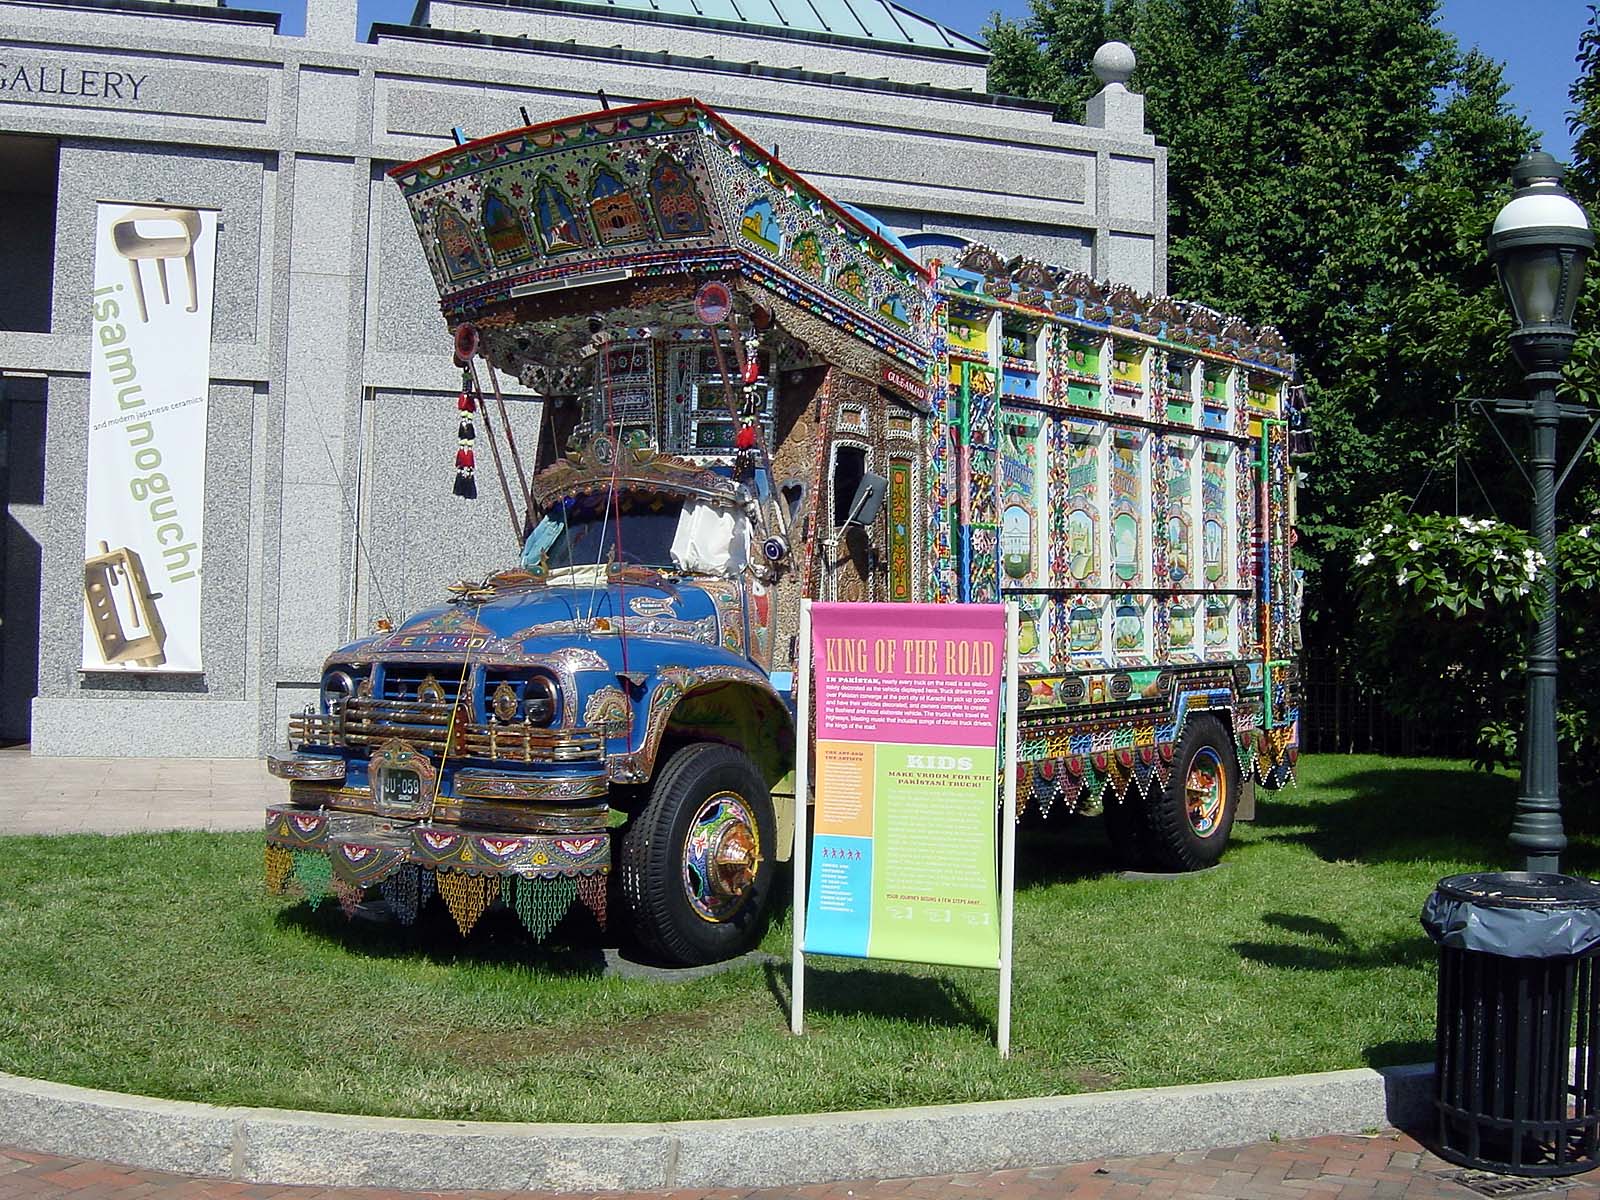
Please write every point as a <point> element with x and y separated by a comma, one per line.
<point>331,432</point>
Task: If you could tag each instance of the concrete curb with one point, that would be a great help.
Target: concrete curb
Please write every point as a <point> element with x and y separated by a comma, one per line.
<point>263,1145</point>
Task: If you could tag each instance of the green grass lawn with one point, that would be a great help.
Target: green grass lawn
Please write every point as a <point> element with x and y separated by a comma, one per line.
<point>157,964</point>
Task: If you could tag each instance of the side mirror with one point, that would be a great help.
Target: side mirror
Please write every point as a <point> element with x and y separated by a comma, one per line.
<point>868,500</point>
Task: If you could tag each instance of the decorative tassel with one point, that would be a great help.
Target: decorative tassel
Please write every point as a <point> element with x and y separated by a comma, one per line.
<point>403,892</point>
<point>314,873</point>
<point>541,903</point>
<point>349,896</point>
<point>280,865</point>
<point>466,485</point>
<point>467,896</point>
<point>592,891</point>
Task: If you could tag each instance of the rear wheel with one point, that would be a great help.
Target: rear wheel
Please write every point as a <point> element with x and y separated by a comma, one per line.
<point>1189,820</point>
<point>696,861</point>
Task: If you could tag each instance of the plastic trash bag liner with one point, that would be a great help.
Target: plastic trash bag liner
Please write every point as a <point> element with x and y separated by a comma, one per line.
<point>1515,914</point>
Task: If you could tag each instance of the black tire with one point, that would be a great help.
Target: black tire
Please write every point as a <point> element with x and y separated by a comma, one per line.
<point>1189,832</point>
<point>678,911</point>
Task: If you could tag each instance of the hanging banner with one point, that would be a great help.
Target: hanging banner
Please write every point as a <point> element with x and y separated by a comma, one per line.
<point>150,368</point>
<point>904,862</point>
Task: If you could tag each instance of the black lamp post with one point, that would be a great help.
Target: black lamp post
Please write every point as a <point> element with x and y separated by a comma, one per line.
<point>1540,246</point>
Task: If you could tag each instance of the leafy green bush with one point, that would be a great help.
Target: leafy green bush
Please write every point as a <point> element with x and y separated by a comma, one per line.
<point>1446,607</point>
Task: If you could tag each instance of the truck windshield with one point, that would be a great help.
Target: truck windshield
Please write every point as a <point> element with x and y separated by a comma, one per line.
<point>580,532</point>
<point>654,530</point>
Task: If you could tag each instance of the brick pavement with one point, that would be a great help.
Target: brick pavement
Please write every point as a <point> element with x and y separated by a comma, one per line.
<point>1384,1166</point>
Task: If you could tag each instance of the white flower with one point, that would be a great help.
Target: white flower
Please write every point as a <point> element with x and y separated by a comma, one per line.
<point>1413,545</point>
<point>1523,590</point>
<point>1364,558</point>
<point>1387,529</point>
<point>1402,577</point>
<point>1499,554</point>
<point>1584,532</point>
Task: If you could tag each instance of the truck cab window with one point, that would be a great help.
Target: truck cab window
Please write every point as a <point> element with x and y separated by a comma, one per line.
<point>849,469</point>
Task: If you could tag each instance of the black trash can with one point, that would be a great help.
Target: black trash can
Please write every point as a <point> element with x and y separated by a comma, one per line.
<point>1518,1069</point>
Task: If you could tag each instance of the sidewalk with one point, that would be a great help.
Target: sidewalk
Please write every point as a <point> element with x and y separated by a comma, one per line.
<point>132,795</point>
<point>1385,1166</point>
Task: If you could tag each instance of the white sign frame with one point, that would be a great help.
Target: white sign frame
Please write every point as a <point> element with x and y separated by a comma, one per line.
<point>1007,816</point>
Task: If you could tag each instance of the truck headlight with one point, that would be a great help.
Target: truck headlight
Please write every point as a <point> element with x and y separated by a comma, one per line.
<point>338,685</point>
<point>540,701</point>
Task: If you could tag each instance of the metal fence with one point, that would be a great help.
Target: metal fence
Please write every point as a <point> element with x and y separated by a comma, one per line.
<point>1342,714</point>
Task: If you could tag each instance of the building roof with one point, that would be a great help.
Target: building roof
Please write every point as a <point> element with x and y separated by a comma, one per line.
<point>869,20</point>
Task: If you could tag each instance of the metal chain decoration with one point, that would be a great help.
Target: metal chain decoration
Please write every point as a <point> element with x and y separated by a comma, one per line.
<point>467,896</point>
<point>541,903</point>
<point>349,896</point>
<point>280,865</point>
<point>314,873</point>
<point>403,891</point>
<point>592,891</point>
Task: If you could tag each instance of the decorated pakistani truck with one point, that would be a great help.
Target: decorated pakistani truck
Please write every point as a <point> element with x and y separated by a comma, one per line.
<point>751,396</point>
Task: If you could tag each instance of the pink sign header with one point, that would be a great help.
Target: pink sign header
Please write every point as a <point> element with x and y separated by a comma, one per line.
<point>914,674</point>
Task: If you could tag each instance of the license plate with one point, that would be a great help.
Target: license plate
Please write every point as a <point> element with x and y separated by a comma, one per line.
<point>399,790</point>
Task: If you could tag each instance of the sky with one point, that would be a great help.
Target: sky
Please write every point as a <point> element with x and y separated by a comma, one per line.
<point>1536,39</point>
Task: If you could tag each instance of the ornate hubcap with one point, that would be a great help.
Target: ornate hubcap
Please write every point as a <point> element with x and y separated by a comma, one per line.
<point>721,856</point>
<point>1206,792</point>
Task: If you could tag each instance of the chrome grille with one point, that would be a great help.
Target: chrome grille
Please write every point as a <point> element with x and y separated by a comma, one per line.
<point>367,721</point>
<point>400,681</point>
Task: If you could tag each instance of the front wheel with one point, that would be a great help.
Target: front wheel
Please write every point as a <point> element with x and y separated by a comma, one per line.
<point>697,861</point>
<point>1189,820</point>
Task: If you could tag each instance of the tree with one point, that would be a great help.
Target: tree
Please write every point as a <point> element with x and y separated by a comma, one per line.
<point>1334,169</point>
<point>1333,165</point>
<point>1584,121</point>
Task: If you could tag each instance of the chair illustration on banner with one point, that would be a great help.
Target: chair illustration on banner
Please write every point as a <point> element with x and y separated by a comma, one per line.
<point>134,245</point>
<point>127,624</point>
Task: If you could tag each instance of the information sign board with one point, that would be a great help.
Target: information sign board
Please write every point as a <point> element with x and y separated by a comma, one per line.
<point>909,861</point>
<point>907,707</point>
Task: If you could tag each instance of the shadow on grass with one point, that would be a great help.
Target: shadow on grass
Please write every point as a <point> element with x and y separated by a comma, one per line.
<point>1063,849</point>
<point>1407,813</point>
<point>886,994</point>
<point>1332,948</point>
<point>1402,1053</point>
<point>576,946</point>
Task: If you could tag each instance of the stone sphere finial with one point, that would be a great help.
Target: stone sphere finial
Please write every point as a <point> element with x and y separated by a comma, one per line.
<point>1114,63</point>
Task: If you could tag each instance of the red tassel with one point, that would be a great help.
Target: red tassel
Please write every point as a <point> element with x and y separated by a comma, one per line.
<point>745,439</point>
<point>466,403</point>
<point>464,460</point>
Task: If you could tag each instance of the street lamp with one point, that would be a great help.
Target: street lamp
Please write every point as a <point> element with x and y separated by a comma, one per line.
<point>1540,245</point>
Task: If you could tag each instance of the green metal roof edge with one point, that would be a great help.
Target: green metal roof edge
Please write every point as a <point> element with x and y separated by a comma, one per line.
<point>980,55</point>
<point>239,16</point>
<point>423,33</point>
